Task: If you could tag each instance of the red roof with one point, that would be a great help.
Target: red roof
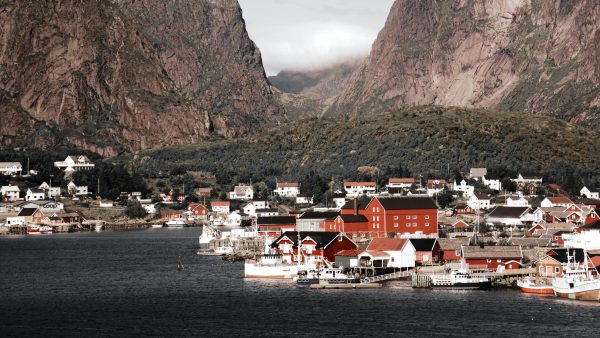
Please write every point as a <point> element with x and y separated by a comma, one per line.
<point>359,184</point>
<point>386,244</point>
<point>460,223</point>
<point>560,200</point>
<point>595,260</point>
<point>402,180</point>
<point>436,181</point>
<point>288,184</point>
<point>220,203</point>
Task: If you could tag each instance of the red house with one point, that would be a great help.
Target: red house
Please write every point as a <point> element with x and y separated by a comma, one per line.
<point>275,225</point>
<point>493,256</point>
<point>460,224</point>
<point>198,210</point>
<point>451,248</point>
<point>316,245</point>
<point>171,214</point>
<point>463,209</point>
<point>427,250</point>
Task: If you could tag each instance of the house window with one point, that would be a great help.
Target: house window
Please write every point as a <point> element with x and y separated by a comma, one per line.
<point>374,218</point>
<point>414,224</point>
<point>407,224</point>
<point>489,260</point>
<point>374,209</point>
<point>407,217</point>
<point>414,217</point>
<point>426,216</point>
<point>427,224</point>
<point>457,252</point>
<point>499,260</point>
<point>395,225</point>
<point>556,269</point>
<point>395,218</point>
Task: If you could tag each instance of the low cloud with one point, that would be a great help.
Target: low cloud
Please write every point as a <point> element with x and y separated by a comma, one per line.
<point>312,34</point>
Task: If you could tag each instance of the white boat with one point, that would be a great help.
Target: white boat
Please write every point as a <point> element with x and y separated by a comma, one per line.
<point>155,226</point>
<point>39,230</point>
<point>176,223</point>
<point>325,276</point>
<point>537,285</point>
<point>577,282</point>
<point>460,279</point>
<point>271,266</point>
<point>98,227</point>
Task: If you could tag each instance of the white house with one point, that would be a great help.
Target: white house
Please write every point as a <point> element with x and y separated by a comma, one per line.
<point>74,163</point>
<point>267,212</point>
<point>401,251</point>
<point>492,183</point>
<point>35,195</point>
<point>287,189</point>
<point>242,192</point>
<point>465,188</point>
<point>517,201</point>
<point>304,200</point>
<point>77,190</point>
<point>220,207</point>
<point>10,192</point>
<point>15,220</point>
<point>556,201</point>
<point>150,208</point>
<point>588,240</point>
<point>435,186</point>
<point>354,189</point>
<point>479,201</point>
<point>585,192</point>
<point>50,191</point>
<point>10,168</point>
<point>516,216</point>
<point>400,182</point>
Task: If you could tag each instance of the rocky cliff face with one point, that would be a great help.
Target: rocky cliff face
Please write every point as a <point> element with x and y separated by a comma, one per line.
<point>123,75</point>
<point>518,55</point>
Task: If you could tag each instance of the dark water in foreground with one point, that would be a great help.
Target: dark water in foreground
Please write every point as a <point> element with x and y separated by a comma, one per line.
<point>127,284</point>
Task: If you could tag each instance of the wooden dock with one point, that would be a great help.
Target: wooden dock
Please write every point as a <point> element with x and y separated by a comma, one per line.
<point>346,286</point>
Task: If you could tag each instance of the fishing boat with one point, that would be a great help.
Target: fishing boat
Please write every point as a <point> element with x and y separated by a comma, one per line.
<point>537,285</point>
<point>460,279</point>
<point>325,276</point>
<point>272,266</point>
<point>158,225</point>
<point>577,281</point>
<point>38,230</point>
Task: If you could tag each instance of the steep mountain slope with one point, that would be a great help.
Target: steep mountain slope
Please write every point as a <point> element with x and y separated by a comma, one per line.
<point>309,93</point>
<point>513,55</point>
<point>124,75</point>
<point>420,139</point>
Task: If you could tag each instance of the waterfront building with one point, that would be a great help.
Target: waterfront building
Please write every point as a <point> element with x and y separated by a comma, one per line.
<point>492,257</point>
<point>315,245</point>
<point>275,225</point>
<point>315,221</point>
<point>427,250</point>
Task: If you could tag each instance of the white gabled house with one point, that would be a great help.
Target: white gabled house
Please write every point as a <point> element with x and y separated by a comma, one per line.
<point>479,201</point>
<point>35,194</point>
<point>517,216</point>
<point>492,183</point>
<point>465,188</point>
<point>585,192</point>
<point>517,201</point>
<point>400,182</point>
<point>77,190</point>
<point>75,163</point>
<point>10,192</point>
<point>287,189</point>
<point>10,168</point>
<point>220,207</point>
<point>304,200</point>
<point>242,192</point>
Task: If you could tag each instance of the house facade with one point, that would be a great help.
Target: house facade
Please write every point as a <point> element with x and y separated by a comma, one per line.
<point>10,193</point>
<point>480,201</point>
<point>354,189</point>
<point>274,226</point>
<point>35,195</point>
<point>314,248</point>
<point>220,207</point>
<point>492,257</point>
<point>242,192</point>
<point>400,182</point>
<point>287,189</point>
<point>10,168</point>
<point>75,163</point>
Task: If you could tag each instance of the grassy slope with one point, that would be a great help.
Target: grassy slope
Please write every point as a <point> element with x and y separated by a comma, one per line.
<point>422,139</point>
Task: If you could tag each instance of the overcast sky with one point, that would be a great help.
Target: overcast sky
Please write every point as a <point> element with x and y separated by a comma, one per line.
<point>312,34</point>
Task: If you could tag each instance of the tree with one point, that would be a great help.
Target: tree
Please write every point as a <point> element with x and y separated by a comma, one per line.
<point>444,199</point>
<point>509,185</point>
<point>135,209</point>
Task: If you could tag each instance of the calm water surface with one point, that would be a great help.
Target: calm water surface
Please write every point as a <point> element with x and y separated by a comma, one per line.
<point>127,284</point>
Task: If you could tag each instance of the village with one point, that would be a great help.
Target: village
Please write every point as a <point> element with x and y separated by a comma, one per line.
<point>368,229</point>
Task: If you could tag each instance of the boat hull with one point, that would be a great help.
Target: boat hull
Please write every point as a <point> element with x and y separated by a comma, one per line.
<point>464,286</point>
<point>540,290</point>
<point>252,270</point>
<point>590,295</point>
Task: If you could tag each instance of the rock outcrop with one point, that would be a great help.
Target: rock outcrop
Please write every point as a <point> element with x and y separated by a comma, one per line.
<point>513,55</point>
<point>123,75</point>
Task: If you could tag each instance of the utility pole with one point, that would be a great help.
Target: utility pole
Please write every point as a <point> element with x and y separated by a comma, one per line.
<point>98,186</point>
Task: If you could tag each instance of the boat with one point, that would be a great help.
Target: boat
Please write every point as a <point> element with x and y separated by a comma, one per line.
<point>176,223</point>
<point>39,230</point>
<point>155,226</point>
<point>577,282</point>
<point>460,279</point>
<point>98,227</point>
<point>537,285</point>
<point>325,276</point>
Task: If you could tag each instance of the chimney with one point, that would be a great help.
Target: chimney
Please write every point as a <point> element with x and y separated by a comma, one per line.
<point>355,204</point>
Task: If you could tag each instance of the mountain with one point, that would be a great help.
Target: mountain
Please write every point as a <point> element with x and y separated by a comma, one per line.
<point>520,55</point>
<point>308,93</point>
<point>122,75</point>
<point>422,140</point>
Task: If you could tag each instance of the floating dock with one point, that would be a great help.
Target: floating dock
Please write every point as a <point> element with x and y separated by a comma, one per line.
<point>347,286</point>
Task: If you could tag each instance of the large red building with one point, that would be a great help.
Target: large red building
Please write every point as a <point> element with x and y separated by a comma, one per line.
<point>401,215</point>
<point>492,257</point>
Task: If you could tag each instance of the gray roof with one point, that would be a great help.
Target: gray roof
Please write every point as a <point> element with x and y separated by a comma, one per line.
<point>508,212</point>
<point>492,252</point>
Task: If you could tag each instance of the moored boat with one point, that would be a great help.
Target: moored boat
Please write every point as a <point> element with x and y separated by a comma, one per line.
<point>38,230</point>
<point>577,282</point>
<point>460,280</point>
<point>325,276</point>
<point>158,225</point>
<point>536,285</point>
<point>176,223</point>
<point>271,266</point>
